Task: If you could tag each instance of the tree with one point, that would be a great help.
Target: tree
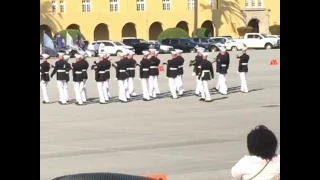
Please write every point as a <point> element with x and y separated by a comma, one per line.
<point>173,33</point>
<point>203,32</point>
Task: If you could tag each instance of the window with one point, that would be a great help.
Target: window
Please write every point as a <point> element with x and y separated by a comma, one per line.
<point>114,5</point>
<point>166,5</point>
<point>260,3</point>
<point>196,39</point>
<point>253,3</point>
<point>62,7</point>
<point>165,41</point>
<point>140,5</point>
<point>108,44</point>
<point>247,3</point>
<point>86,6</point>
<point>190,4</point>
<point>118,43</point>
<point>54,6</point>
<point>174,41</point>
<point>211,3</point>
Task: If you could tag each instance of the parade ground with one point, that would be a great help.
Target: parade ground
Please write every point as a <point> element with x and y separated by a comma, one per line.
<point>184,138</point>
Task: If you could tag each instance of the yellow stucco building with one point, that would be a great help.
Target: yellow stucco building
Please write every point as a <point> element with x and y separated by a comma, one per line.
<point>114,19</point>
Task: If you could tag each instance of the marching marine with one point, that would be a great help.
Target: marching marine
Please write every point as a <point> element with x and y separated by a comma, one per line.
<point>77,75</point>
<point>243,69</point>
<point>172,73</point>
<point>196,69</point>
<point>100,77</point>
<point>179,82</point>
<point>121,77</point>
<point>68,68</point>
<point>107,74</point>
<point>224,60</point>
<point>45,78</point>
<point>131,72</point>
<point>85,67</point>
<point>154,74</point>
<point>205,75</point>
<point>144,75</point>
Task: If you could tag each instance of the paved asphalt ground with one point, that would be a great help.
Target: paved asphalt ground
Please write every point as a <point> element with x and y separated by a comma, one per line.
<point>184,138</point>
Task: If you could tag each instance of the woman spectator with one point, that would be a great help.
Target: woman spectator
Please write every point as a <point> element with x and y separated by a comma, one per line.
<point>263,163</point>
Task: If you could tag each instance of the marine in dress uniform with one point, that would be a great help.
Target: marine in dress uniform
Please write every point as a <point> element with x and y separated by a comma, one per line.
<point>101,78</point>
<point>107,74</point>
<point>65,90</point>
<point>154,73</point>
<point>172,73</point>
<point>45,78</point>
<point>243,69</point>
<point>77,78</point>
<point>60,68</point>
<point>196,69</point>
<point>224,60</point>
<point>85,78</point>
<point>131,72</point>
<point>144,75</point>
<point>180,72</point>
<point>121,77</point>
<point>205,75</point>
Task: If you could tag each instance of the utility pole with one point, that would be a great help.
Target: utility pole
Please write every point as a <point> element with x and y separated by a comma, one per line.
<point>195,15</point>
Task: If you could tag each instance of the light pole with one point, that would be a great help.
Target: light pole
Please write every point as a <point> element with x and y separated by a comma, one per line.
<point>195,21</point>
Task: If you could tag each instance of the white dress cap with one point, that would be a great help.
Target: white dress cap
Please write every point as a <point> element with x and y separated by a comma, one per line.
<point>45,56</point>
<point>60,53</point>
<point>146,53</point>
<point>66,57</point>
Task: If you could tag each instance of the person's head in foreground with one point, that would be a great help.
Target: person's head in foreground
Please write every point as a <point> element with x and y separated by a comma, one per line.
<point>263,163</point>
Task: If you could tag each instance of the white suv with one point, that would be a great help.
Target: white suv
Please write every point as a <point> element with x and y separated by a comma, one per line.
<point>230,44</point>
<point>110,47</point>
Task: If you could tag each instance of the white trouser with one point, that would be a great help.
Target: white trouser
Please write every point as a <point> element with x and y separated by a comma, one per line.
<point>153,86</point>
<point>145,92</point>
<point>126,86</point>
<point>43,85</point>
<point>244,87</point>
<point>102,90</point>
<point>122,90</point>
<point>198,87</point>
<point>179,84</point>
<point>83,91</point>
<point>65,91</point>
<point>173,87</point>
<point>223,89</point>
<point>131,86</point>
<point>108,88</point>
<point>204,90</point>
<point>218,82</point>
<point>61,86</point>
<point>77,91</point>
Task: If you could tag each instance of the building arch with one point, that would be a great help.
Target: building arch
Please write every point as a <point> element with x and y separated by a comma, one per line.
<point>101,32</point>
<point>74,26</point>
<point>129,30</point>
<point>254,23</point>
<point>154,30</point>
<point>209,26</point>
<point>45,29</point>
<point>183,25</point>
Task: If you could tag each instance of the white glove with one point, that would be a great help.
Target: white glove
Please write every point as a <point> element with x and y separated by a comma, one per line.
<point>140,79</point>
<point>193,74</point>
<point>116,79</point>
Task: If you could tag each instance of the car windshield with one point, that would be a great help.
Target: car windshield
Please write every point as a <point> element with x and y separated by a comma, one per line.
<point>263,35</point>
<point>143,41</point>
<point>118,43</point>
<point>191,41</point>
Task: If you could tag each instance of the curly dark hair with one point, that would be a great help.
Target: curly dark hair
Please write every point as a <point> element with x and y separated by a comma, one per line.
<point>262,142</point>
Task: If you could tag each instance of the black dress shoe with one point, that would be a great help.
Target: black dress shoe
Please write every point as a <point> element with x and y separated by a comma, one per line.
<point>78,104</point>
<point>144,99</point>
<point>43,102</point>
<point>208,100</point>
<point>201,99</point>
<point>123,101</point>
<point>68,101</point>
<point>197,94</point>
<point>84,102</point>
<point>102,103</point>
<point>64,104</point>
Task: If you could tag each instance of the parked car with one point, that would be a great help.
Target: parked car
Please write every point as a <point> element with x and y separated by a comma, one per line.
<point>111,47</point>
<point>229,43</point>
<point>163,48</point>
<point>185,44</point>
<point>207,44</point>
<point>140,44</point>
<point>259,41</point>
<point>275,37</point>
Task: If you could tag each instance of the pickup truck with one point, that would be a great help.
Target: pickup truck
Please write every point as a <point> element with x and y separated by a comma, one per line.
<point>207,44</point>
<point>258,41</point>
<point>140,45</point>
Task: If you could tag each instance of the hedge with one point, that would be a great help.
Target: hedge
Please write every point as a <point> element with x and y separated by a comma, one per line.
<point>275,29</point>
<point>203,32</point>
<point>173,33</point>
<point>73,33</point>
<point>243,30</point>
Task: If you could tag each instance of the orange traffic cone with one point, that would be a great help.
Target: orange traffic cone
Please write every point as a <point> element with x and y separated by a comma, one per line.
<point>273,62</point>
<point>161,68</point>
<point>157,176</point>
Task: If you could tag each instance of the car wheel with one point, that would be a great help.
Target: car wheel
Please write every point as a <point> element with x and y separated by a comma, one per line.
<point>268,46</point>
<point>233,48</point>
<point>213,49</point>
<point>118,52</point>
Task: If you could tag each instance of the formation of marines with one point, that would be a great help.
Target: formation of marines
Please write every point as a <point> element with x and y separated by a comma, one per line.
<point>148,75</point>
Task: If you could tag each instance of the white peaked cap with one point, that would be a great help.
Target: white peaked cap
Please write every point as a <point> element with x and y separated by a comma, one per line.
<point>60,53</point>
<point>77,55</point>
<point>244,48</point>
<point>222,49</point>
<point>131,53</point>
<point>157,52</point>
<point>174,52</point>
<point>152,50</point>
<point>45,56</point>
<point>145,53</point>
<point>106,55</point>
<point>66,57</point>
<point>205,54</point>
<point>200,50</point>
<point>102,55</point>
<point>178,51</point>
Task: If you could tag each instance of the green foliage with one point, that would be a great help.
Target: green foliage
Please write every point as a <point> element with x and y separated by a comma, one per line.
<point>173,33</point>
<point>203,32</point>
<point>73,33</point>
<point>275,29</point>
<point>243,30</point>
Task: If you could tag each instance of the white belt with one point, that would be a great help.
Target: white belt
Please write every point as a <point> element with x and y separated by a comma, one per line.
<point>121,70</point>
<point>153,67</point>
<point>107,70</point>
<point>78,72</point>
<point>204,71</point>
<point>199,66</point>
<point>173,68</point>
<point>145,69</point>
<point>101,72</point>
<point>61,70</point>
<point>244,63</point>
<point>84,70</point>
<point>131,68</point>
<point>46,72</point>
<point>223,65</point>
<point>67,72</point>
<point>180,66</point>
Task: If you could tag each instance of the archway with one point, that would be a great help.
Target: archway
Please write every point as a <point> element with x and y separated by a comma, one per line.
<point>254,23</point>
<point>209,26</point>
<point>129,30</point>
<point>74,26</point>
<point>183,25</point>
<point>45,29</point>
<point>101,32</point>
<point>154,30</point>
